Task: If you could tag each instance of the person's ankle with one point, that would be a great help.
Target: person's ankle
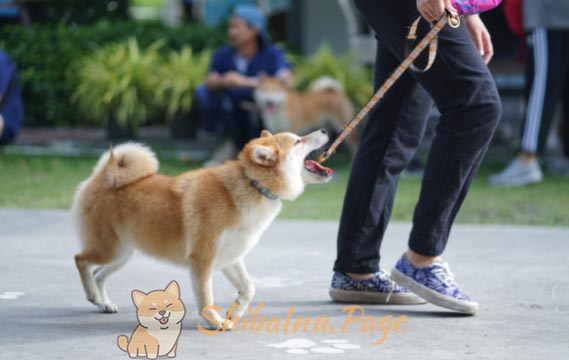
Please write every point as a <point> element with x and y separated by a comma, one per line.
<point>421,261</point>
<point>526,158</point>
<point>359,276</point>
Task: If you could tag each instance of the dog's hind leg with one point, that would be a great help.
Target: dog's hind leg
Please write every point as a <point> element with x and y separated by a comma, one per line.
<point>85,262</point>
<point>102,273</point>
<point>238,276</point>
<point>100,248</point>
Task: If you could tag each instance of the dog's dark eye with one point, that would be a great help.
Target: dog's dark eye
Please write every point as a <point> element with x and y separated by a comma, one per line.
<point>168,305</point>
<point>297,142</point>
<point>152,309</point>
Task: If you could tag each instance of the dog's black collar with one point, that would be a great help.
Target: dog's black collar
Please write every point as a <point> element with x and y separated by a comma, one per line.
<point>263,190</point>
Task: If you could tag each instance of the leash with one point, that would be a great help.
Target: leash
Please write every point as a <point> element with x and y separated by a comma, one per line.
<point>430,40</point>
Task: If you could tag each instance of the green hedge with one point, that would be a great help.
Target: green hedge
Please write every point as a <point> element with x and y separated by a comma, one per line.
<point>44,53</point>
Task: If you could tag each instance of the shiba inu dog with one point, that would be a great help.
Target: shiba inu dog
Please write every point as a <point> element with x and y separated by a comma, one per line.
<point>203,220</point>
<point>299,112</point>
<point>160,314</point>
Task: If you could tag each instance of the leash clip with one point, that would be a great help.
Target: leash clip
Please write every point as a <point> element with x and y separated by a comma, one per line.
<point>452,20</point>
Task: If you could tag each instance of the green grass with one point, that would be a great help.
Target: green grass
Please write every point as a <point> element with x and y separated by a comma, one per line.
<point>50,182</point>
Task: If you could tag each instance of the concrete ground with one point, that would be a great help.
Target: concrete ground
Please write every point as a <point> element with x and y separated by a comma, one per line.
<point>518,274</point>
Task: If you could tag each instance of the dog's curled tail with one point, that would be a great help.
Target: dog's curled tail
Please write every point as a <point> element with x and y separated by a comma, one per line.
<point>126,164</point>
<point>122,342</point>
<point>326,83</point>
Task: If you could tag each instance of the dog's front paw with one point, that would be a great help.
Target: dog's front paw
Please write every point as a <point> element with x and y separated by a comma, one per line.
<point>221,325</point>
<point>228,325</point>
<point>94,299</point>
<point>108,308</point>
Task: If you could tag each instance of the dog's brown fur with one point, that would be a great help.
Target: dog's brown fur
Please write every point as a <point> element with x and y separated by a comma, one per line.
<point>300,112</point>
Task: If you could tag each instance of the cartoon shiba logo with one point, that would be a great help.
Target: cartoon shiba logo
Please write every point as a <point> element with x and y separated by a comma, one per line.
<point>160,315</point>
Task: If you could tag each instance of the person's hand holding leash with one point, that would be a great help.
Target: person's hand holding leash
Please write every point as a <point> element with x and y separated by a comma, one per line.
<point>432,10</point>
<point>480,36</point>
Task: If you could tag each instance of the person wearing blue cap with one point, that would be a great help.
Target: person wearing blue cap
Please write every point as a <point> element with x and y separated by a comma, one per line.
<point>233,77</point>
<point>11,108</point>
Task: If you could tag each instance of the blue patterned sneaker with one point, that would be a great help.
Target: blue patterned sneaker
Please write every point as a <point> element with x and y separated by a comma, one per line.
<point>435,284</point>
<point>379,289</point>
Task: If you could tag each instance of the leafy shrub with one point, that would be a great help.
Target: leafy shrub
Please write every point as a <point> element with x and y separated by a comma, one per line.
<point>180,75</point>
<point>118,81</point>
<point>44,54</point>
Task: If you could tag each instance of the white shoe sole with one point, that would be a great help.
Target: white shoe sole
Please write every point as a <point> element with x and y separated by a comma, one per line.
<point>467,307</point>
<point>370,297</point>
<point>513,182</point>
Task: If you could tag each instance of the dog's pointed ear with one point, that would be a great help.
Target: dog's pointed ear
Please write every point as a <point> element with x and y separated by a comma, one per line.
<point>264,155</point>
<point>266,133</point>
<point>111,153</point>
<point>137,297</point>
<point>173,288</point>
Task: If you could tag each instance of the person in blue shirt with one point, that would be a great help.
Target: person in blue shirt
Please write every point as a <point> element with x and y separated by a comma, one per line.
<point>233,77</point>
<point>11,108</point>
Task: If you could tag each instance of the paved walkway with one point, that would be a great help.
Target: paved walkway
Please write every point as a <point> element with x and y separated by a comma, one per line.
<point>518,274</point>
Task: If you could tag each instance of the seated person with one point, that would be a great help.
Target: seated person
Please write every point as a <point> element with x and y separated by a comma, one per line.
<point>11,109</point>
<point>232,78</point>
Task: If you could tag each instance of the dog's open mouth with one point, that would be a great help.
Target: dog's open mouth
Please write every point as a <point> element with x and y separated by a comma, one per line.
<point>316,168</point>
<point>163,320</point>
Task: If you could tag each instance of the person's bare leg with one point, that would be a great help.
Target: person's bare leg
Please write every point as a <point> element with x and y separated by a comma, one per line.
<point>417,260</point>
<point>421,261</point>
<point>1,125</point>
<point>359,276</point>
<point>526,157</point>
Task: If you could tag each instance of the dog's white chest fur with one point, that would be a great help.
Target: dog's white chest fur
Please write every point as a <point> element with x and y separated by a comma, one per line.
<point>234,244</point>
<point>166,338</point>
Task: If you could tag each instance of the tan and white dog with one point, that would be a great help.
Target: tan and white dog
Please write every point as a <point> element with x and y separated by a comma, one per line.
<point>299,112</point>
<point>203,220</point>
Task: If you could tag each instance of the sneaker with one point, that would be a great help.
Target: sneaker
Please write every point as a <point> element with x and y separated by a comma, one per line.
<point>518,174</point>
<point>223,153</point>
<point>435,284</point>
<point>559,166</point>
<point>379,289</point>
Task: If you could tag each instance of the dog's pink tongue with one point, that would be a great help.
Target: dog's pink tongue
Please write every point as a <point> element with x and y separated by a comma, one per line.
<point>163,321</point>
<point>315,166</point>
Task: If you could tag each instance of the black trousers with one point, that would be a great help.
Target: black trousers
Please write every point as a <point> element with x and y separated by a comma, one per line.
<point>464,92</point>
<point>547,74</point>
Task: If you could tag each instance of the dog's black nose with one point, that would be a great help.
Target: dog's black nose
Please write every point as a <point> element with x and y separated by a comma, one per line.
<point>324,131</point>
<point>162,312</point>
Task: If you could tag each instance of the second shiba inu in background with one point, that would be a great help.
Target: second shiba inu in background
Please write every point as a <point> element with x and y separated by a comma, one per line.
<point>299,112</point>
<point>203,220</point>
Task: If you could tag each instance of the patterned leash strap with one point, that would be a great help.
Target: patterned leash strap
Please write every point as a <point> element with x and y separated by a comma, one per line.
<point>430,40</point>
